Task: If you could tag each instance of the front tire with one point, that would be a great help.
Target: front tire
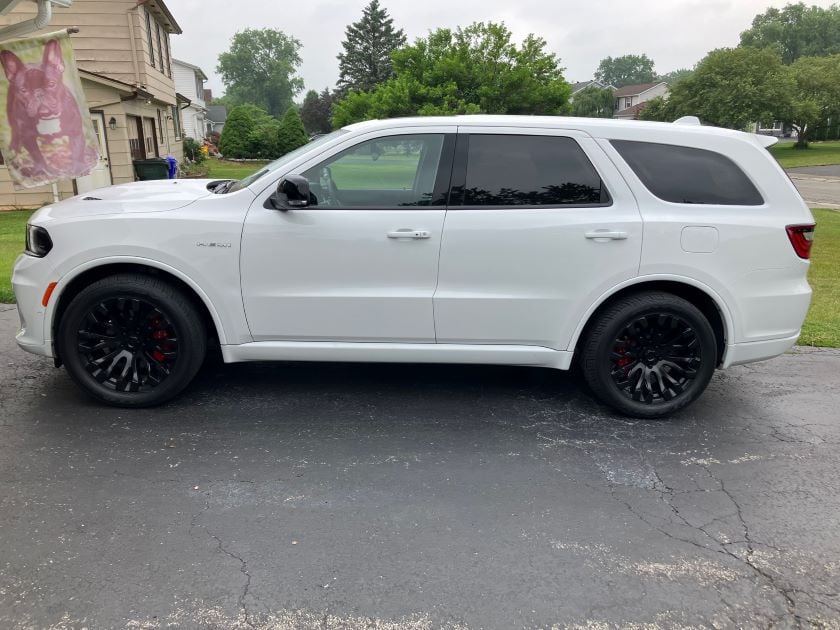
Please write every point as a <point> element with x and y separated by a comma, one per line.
<point>131,340</point>
<point>649,355</point>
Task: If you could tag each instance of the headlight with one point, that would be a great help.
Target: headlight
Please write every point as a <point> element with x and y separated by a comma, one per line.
<point>38,241</point>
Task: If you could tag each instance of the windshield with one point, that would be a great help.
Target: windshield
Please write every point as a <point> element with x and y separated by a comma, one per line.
<point>291,155</point>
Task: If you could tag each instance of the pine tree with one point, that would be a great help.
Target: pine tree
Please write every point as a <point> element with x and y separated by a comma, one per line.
<point>316,111</point>
<point>291,133</point>
<point>368,44</point>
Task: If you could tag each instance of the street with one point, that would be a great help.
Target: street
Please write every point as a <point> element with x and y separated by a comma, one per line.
<point>818,185</point>
<point>406,497</point>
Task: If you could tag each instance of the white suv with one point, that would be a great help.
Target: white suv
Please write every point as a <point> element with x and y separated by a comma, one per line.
<point>654,253</point>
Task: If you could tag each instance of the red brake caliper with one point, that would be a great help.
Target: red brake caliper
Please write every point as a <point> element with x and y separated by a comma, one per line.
<point>158,335</point>
<point>625,358</point>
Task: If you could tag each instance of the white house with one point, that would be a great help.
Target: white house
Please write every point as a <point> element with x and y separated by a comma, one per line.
<point>189,83</point>
<point>630,99</point>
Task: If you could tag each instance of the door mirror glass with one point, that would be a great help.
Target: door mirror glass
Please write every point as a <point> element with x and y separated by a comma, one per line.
<point>292,192</point>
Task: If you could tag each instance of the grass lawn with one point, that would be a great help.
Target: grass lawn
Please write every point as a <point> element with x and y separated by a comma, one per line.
<point>822,328</point>
<point>222,169</point>
<point>818,154</point>
<point>12,239</point>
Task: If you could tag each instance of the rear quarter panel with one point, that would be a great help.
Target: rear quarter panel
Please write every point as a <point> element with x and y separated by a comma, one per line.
<point>752,265</point>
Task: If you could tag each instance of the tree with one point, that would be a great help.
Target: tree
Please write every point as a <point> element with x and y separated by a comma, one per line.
<point>816,97</point>
<point>796,31</point>
<point>626,70</point>
<point>593,102</point>
<point>291,133</point>
<point>665,109</point>
<point>259,68</point>
<point>316,111</point>
<point>675,76</point>
<point>477,69</point>
<point>368,44</point>
<point>730,87</point>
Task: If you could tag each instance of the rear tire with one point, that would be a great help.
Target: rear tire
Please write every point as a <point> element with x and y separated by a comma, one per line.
<point>649,354</point>
<point>131,340</point>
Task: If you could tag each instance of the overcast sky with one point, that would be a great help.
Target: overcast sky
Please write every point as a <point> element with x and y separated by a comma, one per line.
<point>674,33</point>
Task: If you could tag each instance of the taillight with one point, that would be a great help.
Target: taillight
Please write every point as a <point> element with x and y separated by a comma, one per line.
<point>801,237</point>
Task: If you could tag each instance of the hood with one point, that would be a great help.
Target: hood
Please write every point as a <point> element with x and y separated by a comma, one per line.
<point>149,196</point>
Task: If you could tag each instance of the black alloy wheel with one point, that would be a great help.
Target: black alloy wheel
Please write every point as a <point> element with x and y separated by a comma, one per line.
<point>128,344</point>
<point>649,354</point>
<point>654,358</point>
<point>132,340</point>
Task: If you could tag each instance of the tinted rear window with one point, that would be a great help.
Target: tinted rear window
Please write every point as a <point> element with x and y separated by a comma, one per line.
<point>688,175</point>
<point>509,170</point>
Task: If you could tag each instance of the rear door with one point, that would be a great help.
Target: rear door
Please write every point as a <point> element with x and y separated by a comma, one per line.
<point>540,224</point>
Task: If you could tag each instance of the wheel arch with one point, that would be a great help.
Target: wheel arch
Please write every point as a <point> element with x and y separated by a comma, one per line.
<point>95,270</point>
<point>710,303</point>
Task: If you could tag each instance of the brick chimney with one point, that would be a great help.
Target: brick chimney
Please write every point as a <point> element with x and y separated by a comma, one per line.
<point>208,96</point>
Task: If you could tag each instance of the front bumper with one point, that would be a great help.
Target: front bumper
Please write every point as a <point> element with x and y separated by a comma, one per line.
<point>30,278</point>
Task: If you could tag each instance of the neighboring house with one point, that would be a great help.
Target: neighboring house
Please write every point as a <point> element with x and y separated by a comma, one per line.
<point>774,128</point>
<point>577,87</point>
<point>630,100</point>
<point>189,82</point>
<point>123,53</point>
<point>216,117</point>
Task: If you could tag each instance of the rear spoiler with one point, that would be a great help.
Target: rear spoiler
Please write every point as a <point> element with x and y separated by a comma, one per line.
<point>765,141</point>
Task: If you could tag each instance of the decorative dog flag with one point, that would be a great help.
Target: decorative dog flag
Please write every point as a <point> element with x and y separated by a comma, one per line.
<point>45,137</point>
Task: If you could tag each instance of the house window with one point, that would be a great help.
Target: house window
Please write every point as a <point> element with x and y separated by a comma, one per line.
<point>150,39</point>
<point>168,58</point>
<point>160,48</point>
<point>176,122</point>
<point>161,127</point>
<point>199,87</point>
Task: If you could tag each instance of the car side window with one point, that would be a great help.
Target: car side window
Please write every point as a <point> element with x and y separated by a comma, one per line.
<point>387,172</point>
<point>528,171</point>
<point>687,175</point>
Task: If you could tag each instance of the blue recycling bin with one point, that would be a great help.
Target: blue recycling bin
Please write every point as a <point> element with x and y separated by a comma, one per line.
<point>173,166</point>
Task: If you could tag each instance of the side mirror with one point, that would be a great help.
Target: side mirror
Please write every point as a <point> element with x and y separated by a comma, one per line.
<point>292,192</point>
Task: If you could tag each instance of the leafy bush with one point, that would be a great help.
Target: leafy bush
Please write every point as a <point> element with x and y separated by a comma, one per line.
<point>291,133</point>
<point>192,151</point>
<point>264,140</point>
<point>236,134</point>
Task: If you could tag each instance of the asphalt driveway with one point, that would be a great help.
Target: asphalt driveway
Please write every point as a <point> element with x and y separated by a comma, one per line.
<point>404,497</point>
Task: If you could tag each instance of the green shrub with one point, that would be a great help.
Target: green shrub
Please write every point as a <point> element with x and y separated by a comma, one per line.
<point>264,140</point>
<point>291,133</point>
<point>192,151</point>
<point>236,134</point>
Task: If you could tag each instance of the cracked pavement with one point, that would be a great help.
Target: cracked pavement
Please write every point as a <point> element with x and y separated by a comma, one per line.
<point>407,497</point>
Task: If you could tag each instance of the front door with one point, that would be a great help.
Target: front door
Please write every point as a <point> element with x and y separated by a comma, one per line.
<point>540,225</point>
<point>360,263</point>
<point>100,176</point>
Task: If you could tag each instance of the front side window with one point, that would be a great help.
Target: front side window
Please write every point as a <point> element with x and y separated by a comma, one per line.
<point>687,175</point>
<point>388,172</point>
<point>522,170</point>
